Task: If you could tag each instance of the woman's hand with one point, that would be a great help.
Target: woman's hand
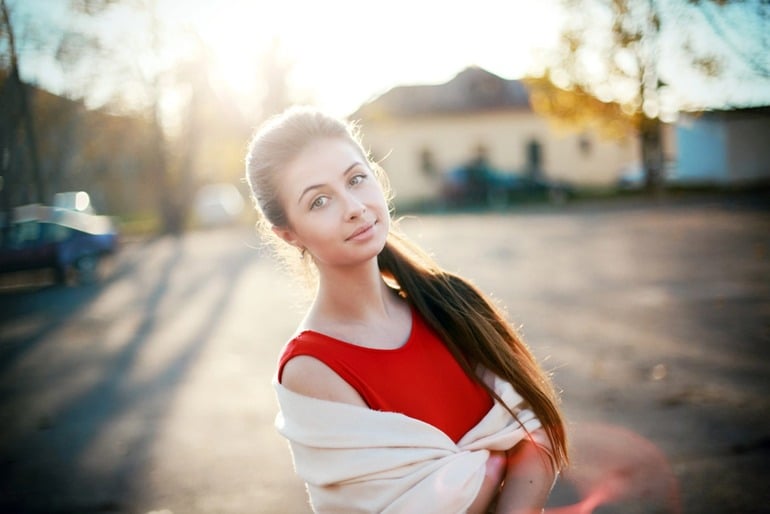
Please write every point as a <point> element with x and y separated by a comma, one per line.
<point>493,478</point>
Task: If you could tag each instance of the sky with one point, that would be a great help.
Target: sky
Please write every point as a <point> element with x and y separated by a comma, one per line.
<point>343,53</point>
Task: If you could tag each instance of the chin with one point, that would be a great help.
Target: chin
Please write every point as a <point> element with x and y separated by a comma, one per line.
<point>376,250</point>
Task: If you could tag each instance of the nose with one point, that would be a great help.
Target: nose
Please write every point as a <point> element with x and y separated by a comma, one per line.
<point>354,207</point>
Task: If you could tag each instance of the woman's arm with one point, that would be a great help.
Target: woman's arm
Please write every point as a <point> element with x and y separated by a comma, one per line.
<point>493,478</point>
<point>529,480</point>
<point>310,377</point>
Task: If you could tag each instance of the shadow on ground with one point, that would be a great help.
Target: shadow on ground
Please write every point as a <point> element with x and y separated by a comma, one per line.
<point>53,439</point>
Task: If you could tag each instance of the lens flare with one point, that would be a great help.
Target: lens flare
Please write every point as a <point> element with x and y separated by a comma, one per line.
<point>614,466</point>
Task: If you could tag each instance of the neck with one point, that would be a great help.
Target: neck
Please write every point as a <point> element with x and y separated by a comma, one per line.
<point>355,294</point>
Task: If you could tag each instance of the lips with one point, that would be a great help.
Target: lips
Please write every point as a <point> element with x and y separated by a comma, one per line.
<point>360,230</point>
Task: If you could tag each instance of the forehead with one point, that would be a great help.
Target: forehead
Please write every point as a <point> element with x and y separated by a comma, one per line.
<point>320,161</point>
<point>325,153</point>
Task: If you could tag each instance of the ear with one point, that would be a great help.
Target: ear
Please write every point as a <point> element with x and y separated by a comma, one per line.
<point>287,235</point>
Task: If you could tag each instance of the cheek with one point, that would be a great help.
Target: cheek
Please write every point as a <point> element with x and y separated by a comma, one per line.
<point>322,226</point>
<point>375,195</point>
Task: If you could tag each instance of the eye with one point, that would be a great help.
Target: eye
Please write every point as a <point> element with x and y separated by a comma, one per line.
<point>319,202</point>
<point>357,179</point>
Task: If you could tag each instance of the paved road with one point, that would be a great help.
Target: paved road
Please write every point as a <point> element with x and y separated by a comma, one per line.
<point>151,391</point>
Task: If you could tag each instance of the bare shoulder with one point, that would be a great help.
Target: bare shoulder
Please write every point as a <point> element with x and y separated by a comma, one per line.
<point>310,377</point>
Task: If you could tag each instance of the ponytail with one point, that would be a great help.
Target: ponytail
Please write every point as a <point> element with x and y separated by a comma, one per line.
<point>475,331</point>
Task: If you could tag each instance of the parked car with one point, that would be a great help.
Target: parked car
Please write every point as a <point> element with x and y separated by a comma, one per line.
<point>65,241</point>
<point>632,176</point>
<point>463,186</point>
<point>521,188</point>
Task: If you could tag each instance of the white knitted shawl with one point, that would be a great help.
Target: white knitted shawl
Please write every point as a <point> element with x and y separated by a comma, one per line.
<point>357,460</point>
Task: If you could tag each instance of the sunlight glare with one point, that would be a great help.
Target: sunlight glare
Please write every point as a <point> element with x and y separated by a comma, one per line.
<point>342,53</point>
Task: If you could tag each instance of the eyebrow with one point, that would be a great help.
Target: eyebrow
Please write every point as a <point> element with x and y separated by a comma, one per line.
<point>316,186</point>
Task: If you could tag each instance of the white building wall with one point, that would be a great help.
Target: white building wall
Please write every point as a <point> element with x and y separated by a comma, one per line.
<point>582,159</point>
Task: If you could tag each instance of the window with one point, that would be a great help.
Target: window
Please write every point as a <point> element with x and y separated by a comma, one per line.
<point>427,162</point>
<point>584,144</point>
<point>534,157</point>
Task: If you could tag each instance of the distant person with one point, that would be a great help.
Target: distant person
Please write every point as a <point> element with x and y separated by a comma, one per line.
<point>404,389</point>
<point>478,174</point>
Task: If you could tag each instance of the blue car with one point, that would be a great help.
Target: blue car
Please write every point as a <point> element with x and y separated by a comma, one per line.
<point>483,186</point>
<point>67,242</point>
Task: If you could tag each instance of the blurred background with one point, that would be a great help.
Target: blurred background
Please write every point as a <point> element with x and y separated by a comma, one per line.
<point>601,166</point>
<point>143,105</point>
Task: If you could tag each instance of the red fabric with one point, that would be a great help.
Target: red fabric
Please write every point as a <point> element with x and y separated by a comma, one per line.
<point>421,379</point>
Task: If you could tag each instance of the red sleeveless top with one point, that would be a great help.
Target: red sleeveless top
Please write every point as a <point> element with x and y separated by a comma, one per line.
<point>420,379</point>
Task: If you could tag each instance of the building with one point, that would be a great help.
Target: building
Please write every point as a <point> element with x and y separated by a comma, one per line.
<point>421,133</point>
<point>724,148</point>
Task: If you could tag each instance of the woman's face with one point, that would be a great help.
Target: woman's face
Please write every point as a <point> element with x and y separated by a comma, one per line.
<point>334,203</point>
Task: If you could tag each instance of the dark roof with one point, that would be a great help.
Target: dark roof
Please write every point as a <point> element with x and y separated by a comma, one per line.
<point>472,90</point>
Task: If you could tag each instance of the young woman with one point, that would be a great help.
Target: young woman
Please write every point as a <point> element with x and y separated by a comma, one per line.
<point>404,388</point>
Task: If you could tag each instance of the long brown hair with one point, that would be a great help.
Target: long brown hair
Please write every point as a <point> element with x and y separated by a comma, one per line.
<point>476,331</point>
<point>473,328</point>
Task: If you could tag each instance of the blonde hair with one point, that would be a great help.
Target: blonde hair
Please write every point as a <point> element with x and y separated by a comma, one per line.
<point>472,327</point>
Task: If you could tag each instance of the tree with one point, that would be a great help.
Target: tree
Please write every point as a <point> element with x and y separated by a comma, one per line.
<point>154,70</point>
<point>275,72</point>
<point>577,107</point>
<point>133,87</point>
<point>18,137</point>
<point>611,50</point>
